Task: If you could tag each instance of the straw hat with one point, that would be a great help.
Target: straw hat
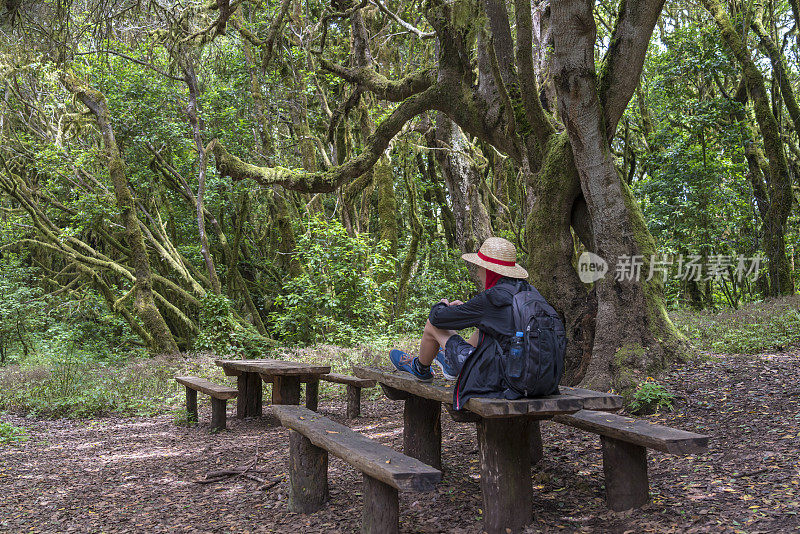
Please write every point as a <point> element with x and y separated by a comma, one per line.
<point>498,255</point>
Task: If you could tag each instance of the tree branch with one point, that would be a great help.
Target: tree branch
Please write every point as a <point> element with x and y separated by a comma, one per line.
<point>529,90</point>
<point>343,111</point>
<point>624,59</point>
<point>336,15</point>
<point>133,59</point>
<point>226,9</point>
<point>501,38</point>
<point>409,27</point>
<point>383,87</point>
<point>327,181</point>
<point>779,67</point>
<point>268,44</point>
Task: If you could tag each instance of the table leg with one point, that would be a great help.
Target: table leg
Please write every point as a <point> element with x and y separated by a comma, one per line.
<point>422,430</point>
<point>505,457</point>
<point>286,390</point>
<point>312,395</point>
<point>537,450</point>
<point>248,403</point>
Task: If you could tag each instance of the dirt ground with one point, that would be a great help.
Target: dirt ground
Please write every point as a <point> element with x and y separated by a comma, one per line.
<point>139,474</point>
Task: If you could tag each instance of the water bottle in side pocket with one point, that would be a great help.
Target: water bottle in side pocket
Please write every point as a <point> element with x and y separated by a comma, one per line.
<point>516,356</point>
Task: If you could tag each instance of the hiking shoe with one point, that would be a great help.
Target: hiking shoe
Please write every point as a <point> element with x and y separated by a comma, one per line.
<point>408,363</point>
<point>448,371</point>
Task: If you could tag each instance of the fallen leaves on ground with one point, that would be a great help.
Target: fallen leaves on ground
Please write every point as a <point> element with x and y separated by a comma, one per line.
<point>138,474</point>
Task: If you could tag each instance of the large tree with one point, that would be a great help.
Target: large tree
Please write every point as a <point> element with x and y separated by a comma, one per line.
<point>487,81</point>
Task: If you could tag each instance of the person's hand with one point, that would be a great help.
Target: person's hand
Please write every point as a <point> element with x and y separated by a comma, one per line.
<point>455,303</point>
<point>445,301</point>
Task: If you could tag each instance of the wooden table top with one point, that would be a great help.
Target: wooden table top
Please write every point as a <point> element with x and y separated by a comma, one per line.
<point>569,401</point>
<point>268,366</point>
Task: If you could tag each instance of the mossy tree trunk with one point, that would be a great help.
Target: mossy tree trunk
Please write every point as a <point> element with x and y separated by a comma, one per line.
<point>194,112</point>
<point>778,187</point>
<point>144,302</point>
<point>462,178</point>
<point>633,334</point>
<point>287,241</point>
<point>387,204</point>
<point>411,255</point>
<point>555,190</point>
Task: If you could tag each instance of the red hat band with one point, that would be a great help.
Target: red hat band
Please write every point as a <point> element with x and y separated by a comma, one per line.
<point>484,257</point>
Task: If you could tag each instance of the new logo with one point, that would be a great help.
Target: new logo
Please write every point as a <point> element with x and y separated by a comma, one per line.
<point>591,267</point>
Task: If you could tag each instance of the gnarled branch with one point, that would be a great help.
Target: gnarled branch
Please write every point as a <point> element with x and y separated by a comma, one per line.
<point>383,87</point>
<point>268,44</point>
<point>540,124</point>
<point>329,180</point>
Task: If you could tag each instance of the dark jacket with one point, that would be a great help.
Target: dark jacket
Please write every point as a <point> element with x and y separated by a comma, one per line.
<point>483,372</point>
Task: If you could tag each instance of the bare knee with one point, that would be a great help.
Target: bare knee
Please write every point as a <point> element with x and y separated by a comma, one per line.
<point>432,330</point>
<point>429,331</point>
<point>439,334</point>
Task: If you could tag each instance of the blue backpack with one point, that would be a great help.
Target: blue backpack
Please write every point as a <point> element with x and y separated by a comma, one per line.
<point>544,345</point>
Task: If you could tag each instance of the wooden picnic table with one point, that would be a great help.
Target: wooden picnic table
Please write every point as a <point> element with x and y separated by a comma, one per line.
<point>509,440</point>
<point>285,378</point>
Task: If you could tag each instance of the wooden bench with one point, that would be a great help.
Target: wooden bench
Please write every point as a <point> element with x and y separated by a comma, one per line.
<point>386,471</point>
<point>354,385</point>
<point>625,442</point>
<point>219,399</point>
<point>507,434</point>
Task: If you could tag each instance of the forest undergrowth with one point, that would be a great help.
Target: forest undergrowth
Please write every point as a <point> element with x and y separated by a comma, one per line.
<point>64,381</point>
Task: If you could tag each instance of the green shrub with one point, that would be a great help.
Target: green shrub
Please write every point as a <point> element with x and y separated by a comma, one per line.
<point>222,334</point>
<point>10,433</point>
<point>650,396</point>
<point>22,309</point>
<point>337,297</point>
<point>35,326</point>
<point>772,324</point>
<point>79,386</point>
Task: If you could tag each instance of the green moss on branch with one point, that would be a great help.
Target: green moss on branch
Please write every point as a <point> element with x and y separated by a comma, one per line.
<point>327,181</point>
<point>383,87</point>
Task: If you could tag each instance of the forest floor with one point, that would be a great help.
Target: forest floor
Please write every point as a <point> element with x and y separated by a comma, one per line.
<point>139,474</point>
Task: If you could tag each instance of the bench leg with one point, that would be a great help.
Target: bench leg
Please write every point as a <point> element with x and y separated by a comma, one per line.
<point>312,395</point>
<point>248,403</point>
<point>394,394</point>
<point>191,405</point>
<point>308,475</point>
<point>381,508</point>
<point>625,469</point>
<point>286,390</point>
<point>219,414</point>
<point>422,430</point>
<point>353,401</point>
<point>505,474</point>
<point>537,450</point>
